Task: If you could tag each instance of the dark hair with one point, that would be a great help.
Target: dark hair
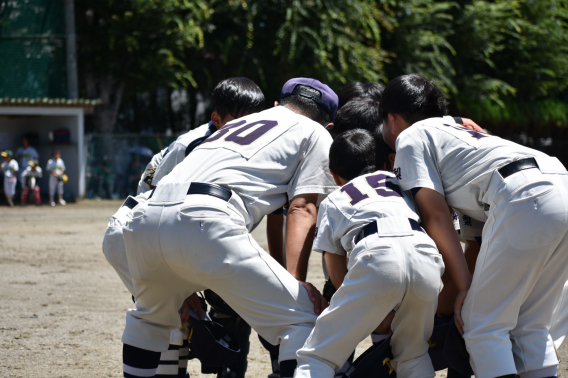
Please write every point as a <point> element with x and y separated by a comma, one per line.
<point>306,107</point>
<point>361,113</point>
<point>56,152</point>
<point>356,90</point>
<point>382,150</point>
<point>237,96</point>
<point>414,98</point>
<point>352,154</point>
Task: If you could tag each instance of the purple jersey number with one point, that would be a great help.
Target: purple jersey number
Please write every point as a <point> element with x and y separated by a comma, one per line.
<point>235,137</point>
<point>378,182</point>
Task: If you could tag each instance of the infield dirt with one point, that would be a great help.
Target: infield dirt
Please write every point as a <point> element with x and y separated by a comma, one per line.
<point>62,306</point>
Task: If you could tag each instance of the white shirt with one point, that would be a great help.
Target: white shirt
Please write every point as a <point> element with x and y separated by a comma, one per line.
<point>439,154</point>
<point>29,172</point>
<point>55,166</point>
<point>25,155</point>
<point>264,158</point>
<point>10,167</point>
<point>176,151</point>
<point>365,199</point>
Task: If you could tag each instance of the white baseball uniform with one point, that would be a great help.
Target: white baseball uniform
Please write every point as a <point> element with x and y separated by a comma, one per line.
<point>10,168</point>
<point>471,230</point>
<point>396,268</point>
<point>154,162</point>
<point>56,166</point>
<point>521,267</point>
<point>177,150</point>
<point>26,154</point>
<point>178,244</point>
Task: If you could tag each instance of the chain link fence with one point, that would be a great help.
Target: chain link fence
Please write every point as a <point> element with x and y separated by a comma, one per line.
<point>115,162</point>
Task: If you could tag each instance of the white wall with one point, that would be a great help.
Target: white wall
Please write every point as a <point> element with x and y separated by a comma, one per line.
<point>17,121</point>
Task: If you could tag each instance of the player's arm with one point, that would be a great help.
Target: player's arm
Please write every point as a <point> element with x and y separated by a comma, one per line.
<point>275,236</point>
<point>433,210</point>
<point>300,225</point>
<point>336,267</point>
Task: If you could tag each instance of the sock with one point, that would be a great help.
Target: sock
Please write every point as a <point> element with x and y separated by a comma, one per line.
<point>169,362</point>
<point>183,358</point>
<point>138,362</point>
<point>546,372</point>
<point>287,368</point>
<point>453,373</point>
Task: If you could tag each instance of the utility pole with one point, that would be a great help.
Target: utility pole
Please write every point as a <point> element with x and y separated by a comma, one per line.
<point>71,45</point>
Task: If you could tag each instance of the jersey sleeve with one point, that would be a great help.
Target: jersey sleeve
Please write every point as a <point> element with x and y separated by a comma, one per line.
<point>49,166</point>
<point>325,239</point>
<point>312,174</point>
<point>62,164</point>
<point>34,153</point>
<point>169,162</point>
<point>415,165</point>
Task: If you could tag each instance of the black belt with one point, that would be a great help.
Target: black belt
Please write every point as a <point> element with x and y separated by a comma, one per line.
<point>371,229</point>
<point>210,190</point>
<point>516,166</point>
<point>130,203</point>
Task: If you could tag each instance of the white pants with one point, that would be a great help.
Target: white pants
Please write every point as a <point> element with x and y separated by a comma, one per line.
<point>385,273</point>
<point>54,183</point>
<point>559,328</point>
<point>519,274</point>
<point>114,248</point>
<point>9,188</point>
<point>202,243</point>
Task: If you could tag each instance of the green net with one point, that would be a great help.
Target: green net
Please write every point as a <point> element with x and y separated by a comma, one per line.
<point>32,49</point>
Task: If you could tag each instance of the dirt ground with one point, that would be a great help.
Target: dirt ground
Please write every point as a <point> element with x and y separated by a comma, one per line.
<point>62,306</point>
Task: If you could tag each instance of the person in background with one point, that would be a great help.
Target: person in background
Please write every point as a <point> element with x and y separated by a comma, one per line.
<point>10,168</point>
<point>56,169</point>
<point>29,182</point>
<point>25,153</point>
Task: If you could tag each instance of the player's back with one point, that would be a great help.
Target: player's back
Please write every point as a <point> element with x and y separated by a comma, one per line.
<point>262,157</point>
<point>361,201</point>
<point>465,160</point>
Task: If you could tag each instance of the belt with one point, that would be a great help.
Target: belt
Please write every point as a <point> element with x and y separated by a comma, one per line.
<point>130,203</point>
<point>210,190</point>
<point>371,229</point>
<point>516,166</point>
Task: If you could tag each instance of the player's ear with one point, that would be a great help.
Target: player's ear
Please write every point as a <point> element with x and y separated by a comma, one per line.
<point>276,103</point>
<point>216,119</point>
<point>390,163</point>
<point>328,125</point>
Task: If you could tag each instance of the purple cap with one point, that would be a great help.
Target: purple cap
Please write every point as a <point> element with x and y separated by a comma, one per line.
<point>317,91</point>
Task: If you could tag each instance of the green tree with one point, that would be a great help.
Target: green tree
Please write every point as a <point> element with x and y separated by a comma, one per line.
<point>127,46</point>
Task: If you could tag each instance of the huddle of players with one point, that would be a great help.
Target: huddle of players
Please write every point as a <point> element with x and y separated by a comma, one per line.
<point>377,254</point>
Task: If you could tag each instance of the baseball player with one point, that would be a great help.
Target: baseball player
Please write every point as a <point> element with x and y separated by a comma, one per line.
<point>522,196</point>
<point>30,175</point>
<point>393,264</point>
<point>10,168</point>
<point>194,232</point>
<point>231,97</point>
<point>25,153</point>
<point>56,169</point>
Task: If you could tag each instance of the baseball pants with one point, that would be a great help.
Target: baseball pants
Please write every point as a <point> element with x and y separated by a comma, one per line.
<point>202,243</point>
<point>385,273</point>
<point>559,328</point>
<point>55,183</point>
<point>114,248</point>
<point>519,274</point>
<point>9,188</point>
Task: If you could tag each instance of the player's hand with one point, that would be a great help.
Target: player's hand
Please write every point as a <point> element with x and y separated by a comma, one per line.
<point>471,125</point>
<point>12,180</point>
<point>192,302</point>
<point>320,303</point>
<point>458,309</point>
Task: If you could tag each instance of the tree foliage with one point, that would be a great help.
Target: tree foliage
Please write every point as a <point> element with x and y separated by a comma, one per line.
<point>499,61</point>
